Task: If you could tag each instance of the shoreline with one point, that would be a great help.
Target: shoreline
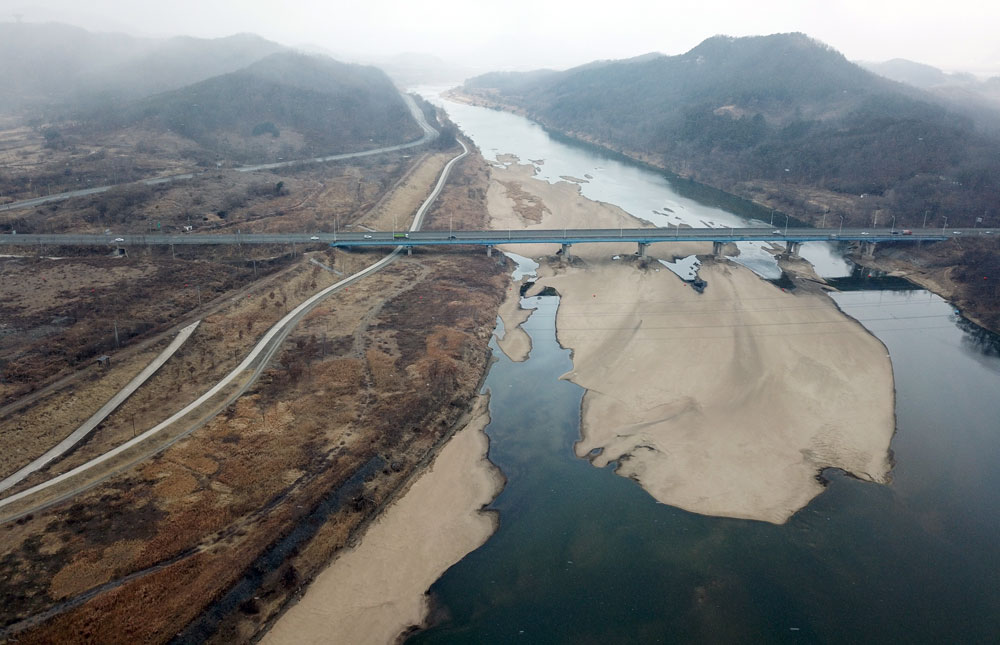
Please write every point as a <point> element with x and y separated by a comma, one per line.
<point>908,270</point>
<point>515,342</point>
<point>375,591</point>
<point>719,403</point>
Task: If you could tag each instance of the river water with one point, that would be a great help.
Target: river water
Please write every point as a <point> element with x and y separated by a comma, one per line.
<point>585,556</point>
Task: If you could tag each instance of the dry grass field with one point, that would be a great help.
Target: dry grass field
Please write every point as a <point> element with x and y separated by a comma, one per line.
<point>369,383</point>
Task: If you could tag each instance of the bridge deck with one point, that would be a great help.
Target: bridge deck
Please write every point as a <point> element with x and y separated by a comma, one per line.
<point>493,237</point>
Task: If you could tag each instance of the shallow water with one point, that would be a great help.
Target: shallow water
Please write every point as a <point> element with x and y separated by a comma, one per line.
<point>637,189</point>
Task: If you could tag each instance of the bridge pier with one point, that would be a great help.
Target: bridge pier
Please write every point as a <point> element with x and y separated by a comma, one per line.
<point>642,249</point>
<point>564,251</point>
<point>717,248</point>
<point>409,250</point>
<point>489,251</point>
<point>868,249</point>
<point>792,249</point>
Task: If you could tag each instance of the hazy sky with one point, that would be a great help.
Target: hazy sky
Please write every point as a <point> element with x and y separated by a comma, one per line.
<point>954,35</point>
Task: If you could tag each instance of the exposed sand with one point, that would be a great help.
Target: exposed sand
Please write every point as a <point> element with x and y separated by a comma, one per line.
<point>373,592</point>
<point>515,342</point>
<point>726,403</point>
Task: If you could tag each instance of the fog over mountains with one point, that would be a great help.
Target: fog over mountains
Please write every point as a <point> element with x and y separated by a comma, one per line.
<point>241,97</point>
<point>773,114</point>
<point>51,63</point>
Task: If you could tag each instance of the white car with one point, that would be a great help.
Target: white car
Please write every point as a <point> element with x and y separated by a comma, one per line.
<point>314,238</point>
<point>119,239</point>
<point>368,237</point>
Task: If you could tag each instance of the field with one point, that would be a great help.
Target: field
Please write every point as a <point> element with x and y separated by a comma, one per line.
<point>357,400</point>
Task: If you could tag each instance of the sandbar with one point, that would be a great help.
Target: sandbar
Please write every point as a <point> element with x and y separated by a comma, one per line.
<point>727,403</point>
<point>515,343</point>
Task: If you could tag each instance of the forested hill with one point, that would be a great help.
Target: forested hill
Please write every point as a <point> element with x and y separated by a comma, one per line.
<point>309,105</point>
<point>783,119</point>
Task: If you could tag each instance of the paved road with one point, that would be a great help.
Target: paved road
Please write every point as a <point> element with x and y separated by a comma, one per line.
<point>429,134</point>
<point>74,438</point>
<point>493,237</point>
<point>152,441</point>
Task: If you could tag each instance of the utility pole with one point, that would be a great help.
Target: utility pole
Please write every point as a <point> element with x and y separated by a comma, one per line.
<point>117,345</point>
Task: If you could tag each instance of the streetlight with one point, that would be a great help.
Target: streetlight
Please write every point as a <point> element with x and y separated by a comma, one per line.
<point>841,231</point>
<point>925,219</point>
<point>786,224</point>
<point>893,227</point>
<point>945,225</point>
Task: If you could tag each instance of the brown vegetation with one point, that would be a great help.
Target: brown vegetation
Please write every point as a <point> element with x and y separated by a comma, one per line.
<point>382,370</point>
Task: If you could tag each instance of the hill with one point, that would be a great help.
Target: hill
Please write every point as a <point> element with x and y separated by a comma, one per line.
<point>54,65</point>
<point>915,74</point>
<point>175,63</point>
<point>43,62</point>
<point>962,92</point>
<point>783,119</point>
<point>287,105</point>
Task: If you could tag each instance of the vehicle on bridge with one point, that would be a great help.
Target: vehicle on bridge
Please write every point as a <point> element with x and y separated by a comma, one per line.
<point>397,236</point>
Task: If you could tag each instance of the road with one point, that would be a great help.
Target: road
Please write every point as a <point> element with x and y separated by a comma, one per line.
<point>429,134</point>
<point>77,435</point>
<point>493,237</point>
<point>155,439</point>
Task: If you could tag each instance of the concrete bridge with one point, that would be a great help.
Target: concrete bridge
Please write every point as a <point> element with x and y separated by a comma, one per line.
<point>642,237</point>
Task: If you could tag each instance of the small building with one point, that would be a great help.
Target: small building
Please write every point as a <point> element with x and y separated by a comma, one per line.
<point>104,362</point>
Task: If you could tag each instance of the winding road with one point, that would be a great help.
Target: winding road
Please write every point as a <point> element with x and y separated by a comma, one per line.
<point>158,438</point>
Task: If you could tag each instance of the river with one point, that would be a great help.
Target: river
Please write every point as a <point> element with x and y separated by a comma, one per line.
<point>583,555</point>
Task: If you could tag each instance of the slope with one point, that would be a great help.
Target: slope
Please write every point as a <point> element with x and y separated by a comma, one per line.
<point>314,104</point>
<point>782,118</point>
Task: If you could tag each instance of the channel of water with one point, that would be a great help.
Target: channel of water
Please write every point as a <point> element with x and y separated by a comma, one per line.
<point>583,555</point>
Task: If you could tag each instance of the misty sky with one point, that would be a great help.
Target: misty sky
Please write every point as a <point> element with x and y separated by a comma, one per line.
<point>959,35</point>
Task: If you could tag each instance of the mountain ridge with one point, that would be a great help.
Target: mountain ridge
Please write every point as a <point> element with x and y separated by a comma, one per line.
<point>735,113</point>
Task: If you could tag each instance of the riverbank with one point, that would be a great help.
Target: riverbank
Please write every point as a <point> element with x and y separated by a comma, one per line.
<point>515,343</point>
<point>375,591</point>
<point>726,403</point>
<point>932,266</point>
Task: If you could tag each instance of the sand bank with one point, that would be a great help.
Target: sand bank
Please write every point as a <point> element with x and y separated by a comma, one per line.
<point>375,591</point>
<point>515,342</point>
<point>725,403</point>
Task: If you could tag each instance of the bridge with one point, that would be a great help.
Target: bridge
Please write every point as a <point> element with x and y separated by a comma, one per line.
<point>642,237</point>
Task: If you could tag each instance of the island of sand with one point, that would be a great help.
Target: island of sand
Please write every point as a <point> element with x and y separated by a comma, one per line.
<point>726,403</point>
